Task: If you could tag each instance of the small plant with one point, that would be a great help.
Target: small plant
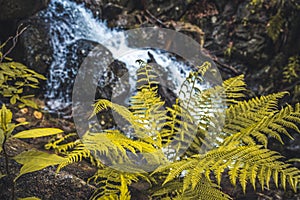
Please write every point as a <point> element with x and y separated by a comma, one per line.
<point>16,78</point>
<point>6,133</point>
<point>291,71</point>
<point>279,9</point>
<point>238,148</point>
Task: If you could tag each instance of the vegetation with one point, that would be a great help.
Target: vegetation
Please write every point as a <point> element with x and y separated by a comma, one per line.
<point>15,79</point>
<point>187,151</point>
<point>276,22</point>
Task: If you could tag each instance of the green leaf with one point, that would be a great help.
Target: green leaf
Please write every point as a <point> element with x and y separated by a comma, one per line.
<point>13,99</point>
<point>34,160</point>
<point>29,103</point>
<point>2,175</point>
<point>29,198</point>
<point>33,79</point>
<point>38,132</point>
<point>5,116</point>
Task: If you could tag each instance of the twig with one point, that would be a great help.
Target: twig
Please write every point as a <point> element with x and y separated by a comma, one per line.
<point>291,86</point>
<point>155,18</point>
<point>14,41</point>
<point>229,67</point>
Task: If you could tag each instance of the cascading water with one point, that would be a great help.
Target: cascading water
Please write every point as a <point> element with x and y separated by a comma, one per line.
<point>71,22</point>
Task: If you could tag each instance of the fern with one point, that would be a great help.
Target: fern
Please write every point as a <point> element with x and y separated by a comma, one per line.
<point>113,184</point>
<point>187,144</point>
<point>291,70</point>
<point>260,123</point>
<point>204,189</point>
<point>274,26</point>
<point>245,163</point>
<point>112,147</point>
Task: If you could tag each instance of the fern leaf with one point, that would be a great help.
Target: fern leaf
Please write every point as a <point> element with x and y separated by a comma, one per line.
<point>275,25</point>
<point>114,183</point>
<point>259,118</point>
<point>204,190</point>
<point>241,160</point>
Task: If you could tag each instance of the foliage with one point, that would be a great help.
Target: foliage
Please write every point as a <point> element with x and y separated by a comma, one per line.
<point>29,198</point>
<point>187,145</point>
<point>275,25</point>
<point>6,130</point>
<point>34,160</point>
<point>292,69</point>
<point>15,78</point>
<point>277,20</point>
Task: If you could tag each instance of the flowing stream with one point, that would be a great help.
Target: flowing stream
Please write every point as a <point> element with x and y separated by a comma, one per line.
<point>71,22</point>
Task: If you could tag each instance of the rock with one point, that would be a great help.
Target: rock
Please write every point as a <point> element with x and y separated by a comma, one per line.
<point>46,183</point>
<point>94,52</point>
<point>19,9</point>
<point>95,6</point>
<point>34,49</point>
<point>111,11</point>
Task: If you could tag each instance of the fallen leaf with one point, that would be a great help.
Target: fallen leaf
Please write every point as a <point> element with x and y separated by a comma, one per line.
<point>21,119</point>
<point>24,110</point>
<point>37,114</point>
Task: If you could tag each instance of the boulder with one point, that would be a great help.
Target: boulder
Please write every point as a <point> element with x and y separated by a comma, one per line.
<point>69,183</point>
<point>19,9</point>
<point>34,49</point>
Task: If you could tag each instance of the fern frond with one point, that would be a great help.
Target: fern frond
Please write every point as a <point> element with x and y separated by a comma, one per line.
<point>112,147</point>
<point>204,190</point>
<point>234,89</point>
<point>103,104</point>
<point>245,163</point>
<point>291,71</point>
<point>60,145</point>
<point>274,26</point>
<point>147,77</point>
<point>274,124</point>
<point>113,184</point>
<point>247,113</point>
<point>209,111</point>
<point>77,154</point>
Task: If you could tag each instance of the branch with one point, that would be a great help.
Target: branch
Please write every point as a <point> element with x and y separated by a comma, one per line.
<point>14,41</point>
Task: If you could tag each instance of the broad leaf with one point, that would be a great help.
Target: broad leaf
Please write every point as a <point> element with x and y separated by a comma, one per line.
<point>2,175</point>
<point>29,198</point>
<point>5,116</point>
<point>34,160</point>
<point>38,132</point>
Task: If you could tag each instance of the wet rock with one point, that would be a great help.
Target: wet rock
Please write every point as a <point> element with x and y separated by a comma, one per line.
<point>18,9</point>
<point>111,11</point>
<point>95,6</point>
<point>100,76</point>
<point>88,52</point>
<point>34,48</point>
<point>46,183</point>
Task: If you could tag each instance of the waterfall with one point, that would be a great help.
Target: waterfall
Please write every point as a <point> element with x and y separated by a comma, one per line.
<point>71,22</point>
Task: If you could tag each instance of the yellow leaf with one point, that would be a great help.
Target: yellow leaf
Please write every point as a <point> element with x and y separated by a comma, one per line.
<point>34,160</point>
<point>38,132</point>
<point>6,115</point>
<point>29,198</point>
<point>21,119</point>
<point>24,110</point>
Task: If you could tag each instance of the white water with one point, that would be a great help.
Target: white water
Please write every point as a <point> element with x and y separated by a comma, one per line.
<point>70,22</point>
